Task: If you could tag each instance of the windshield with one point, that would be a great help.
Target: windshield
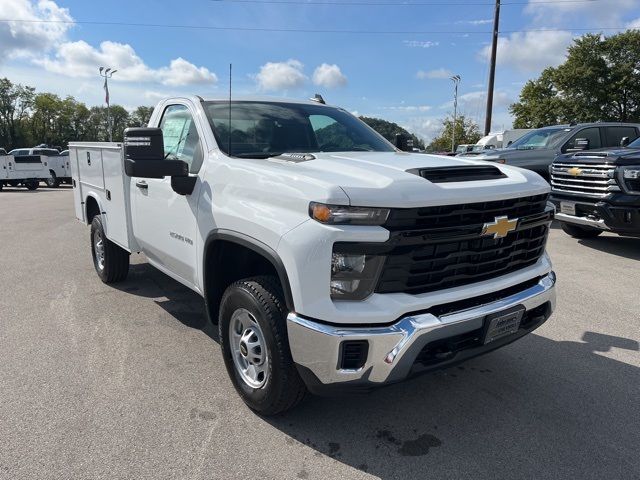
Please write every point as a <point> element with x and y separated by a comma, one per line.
<point>266,129</point>
<point>541,138</point>
<point>635,143</point>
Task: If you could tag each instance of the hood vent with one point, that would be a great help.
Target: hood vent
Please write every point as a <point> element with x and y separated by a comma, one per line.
<point>467,173</point>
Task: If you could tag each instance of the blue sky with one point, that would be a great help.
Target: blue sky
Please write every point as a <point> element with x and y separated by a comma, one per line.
<point>400,76</point>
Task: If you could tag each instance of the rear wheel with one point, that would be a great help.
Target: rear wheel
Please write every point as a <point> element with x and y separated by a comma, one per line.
<point>52,181</point>
<point>110,261</point>
<point>255,346</point>
<point>578,231</point>
<point>31,184</point>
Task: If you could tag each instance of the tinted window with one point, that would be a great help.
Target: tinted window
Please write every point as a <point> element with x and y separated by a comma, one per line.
<point>181,140</point>
<point>592,134</point>
<point>263,129</point>
<point>615,134</point>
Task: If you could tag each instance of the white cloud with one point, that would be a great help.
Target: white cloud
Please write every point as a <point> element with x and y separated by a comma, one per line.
<point>531,51</point>
<point>634,24</point>
<point>182,72</point>
<point>473,101</point>
<point>30,35</point>
<point>329,76</point>
<point>79,59</point>
<point>439,73</point>
<point>420,43</point>
<point>409,108</point>
<point>587,14</point>
<point>280,75</point>
<point>483,21</point>
<point>426,128</point>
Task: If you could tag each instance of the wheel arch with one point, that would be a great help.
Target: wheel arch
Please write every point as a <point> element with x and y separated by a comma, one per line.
<point>92,207</point>
<point>215,245</point>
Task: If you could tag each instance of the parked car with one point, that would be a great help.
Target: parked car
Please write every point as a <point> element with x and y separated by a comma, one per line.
<point>58,163</point>
<point>598,191</point>
<point>537,149</point>
<point>329,259</point>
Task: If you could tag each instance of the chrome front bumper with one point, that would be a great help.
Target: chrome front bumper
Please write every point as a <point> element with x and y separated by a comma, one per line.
<point>584,221</point>
<point>393,349</point>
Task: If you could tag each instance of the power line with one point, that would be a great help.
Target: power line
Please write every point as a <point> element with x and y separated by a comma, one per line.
<point>395,4</point>
<point>303,30</point>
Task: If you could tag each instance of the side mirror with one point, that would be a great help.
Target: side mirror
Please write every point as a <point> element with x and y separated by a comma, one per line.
<point>625,141</point>
<point>144,155</point>
<point>403,143</point>
<point>581,144</point>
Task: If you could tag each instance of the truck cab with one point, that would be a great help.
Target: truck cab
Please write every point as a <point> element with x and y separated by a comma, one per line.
<point>329,259</point>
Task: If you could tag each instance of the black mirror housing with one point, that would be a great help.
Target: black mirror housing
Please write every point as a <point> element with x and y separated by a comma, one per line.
<point>624,141</point>
<point>144,155</point>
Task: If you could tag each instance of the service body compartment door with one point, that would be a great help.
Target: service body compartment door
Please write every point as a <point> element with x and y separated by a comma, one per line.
<point>115,204</point>
<point>90,166</point>
<point>4,166</point>
<point>75,182</point>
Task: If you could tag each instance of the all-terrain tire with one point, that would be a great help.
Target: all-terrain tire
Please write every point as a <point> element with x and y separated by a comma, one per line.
<point>578,231</point>
<point>110,261</point>
<point>261,298</point>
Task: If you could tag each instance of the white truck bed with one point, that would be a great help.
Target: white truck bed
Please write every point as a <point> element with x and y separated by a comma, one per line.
<point>22,168</point>
<point>97,171</point>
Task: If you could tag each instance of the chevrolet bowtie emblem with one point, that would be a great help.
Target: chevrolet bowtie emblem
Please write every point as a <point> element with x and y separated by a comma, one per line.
<point>575,171</point>
<point>500,228</point>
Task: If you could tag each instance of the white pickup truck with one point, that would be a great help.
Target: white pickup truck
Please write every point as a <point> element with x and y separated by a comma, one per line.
<point>330,260</point>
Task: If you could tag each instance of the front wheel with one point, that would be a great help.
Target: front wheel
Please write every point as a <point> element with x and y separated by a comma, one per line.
<point>255,346</point>
<point>578,231</point>
<point>110,261</point>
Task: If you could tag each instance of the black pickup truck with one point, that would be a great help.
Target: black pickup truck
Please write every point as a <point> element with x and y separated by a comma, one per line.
<point>597,191</point>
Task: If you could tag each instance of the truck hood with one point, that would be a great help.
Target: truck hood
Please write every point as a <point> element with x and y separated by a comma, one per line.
<point>615,156</point>
<point>512,154</point>
<point>384,179</point>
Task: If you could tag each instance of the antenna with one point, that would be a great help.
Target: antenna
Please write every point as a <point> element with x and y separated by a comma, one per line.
<point>229,137</point>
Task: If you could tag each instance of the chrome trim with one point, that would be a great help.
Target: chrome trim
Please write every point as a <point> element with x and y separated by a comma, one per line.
<point>393,348</point>
<point>587,222</point>
<point>596,181</point>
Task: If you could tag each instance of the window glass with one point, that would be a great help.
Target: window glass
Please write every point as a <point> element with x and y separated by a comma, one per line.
<point>592,134</point>
<point>180,136</point>
<point>541,138</point>
<point>265,129</point>
<point>615,134</point>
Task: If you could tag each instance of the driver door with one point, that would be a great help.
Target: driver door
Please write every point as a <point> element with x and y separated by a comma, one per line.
<point>164,221</point>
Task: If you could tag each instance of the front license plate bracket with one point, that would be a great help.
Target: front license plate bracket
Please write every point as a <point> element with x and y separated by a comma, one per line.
<point>502,324</point>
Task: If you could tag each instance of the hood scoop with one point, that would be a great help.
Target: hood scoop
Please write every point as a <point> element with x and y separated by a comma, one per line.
<point>465,173</point>
<point>295,157</point>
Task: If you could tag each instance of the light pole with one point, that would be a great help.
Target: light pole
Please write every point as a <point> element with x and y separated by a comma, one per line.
<point>456,80</point>
<point>107,73</point>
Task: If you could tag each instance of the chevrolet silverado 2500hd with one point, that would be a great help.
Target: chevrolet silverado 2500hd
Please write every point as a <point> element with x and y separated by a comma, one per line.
<point>330,260</point>
<point>25,170</point>
<point>598,191</point>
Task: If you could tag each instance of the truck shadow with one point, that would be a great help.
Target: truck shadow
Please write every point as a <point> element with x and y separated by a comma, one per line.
<point>626,247</point>
<point>536,409</point>
<point>180,302</point>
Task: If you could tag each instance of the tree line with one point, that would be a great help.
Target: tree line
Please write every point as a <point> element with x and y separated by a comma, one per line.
<point>28,118</point>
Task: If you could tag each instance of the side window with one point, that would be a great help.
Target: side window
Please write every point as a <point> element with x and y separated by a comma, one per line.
<point>592,134</point>
<point>615,134</point>
<point>181,140</point>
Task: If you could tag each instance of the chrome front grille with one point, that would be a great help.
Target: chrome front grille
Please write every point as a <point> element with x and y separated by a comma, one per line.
<point>584,179</point>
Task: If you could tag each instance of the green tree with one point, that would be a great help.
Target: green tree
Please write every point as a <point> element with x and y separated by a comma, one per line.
<point>140,116</point>
<point>466,130</point>
<point>389,130</point>
<point>15,102</point>
<point>600,80</point>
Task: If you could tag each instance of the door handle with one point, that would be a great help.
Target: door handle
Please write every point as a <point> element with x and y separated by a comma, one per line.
<point>142,184</point>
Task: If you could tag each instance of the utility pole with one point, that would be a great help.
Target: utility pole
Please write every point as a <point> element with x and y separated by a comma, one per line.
<point>107,74</point>
<point>492,69</point>
<point>456,80</point>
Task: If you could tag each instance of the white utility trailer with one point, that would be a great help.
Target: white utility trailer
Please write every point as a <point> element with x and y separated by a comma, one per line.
<point>24,170</point>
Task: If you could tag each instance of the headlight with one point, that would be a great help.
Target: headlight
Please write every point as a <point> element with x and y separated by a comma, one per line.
<point>353,276</point>
<point>629,179</point>
<point>345,215</point>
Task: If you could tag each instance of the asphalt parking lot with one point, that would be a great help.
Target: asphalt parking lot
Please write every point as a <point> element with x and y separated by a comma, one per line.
<point>127,382</point>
